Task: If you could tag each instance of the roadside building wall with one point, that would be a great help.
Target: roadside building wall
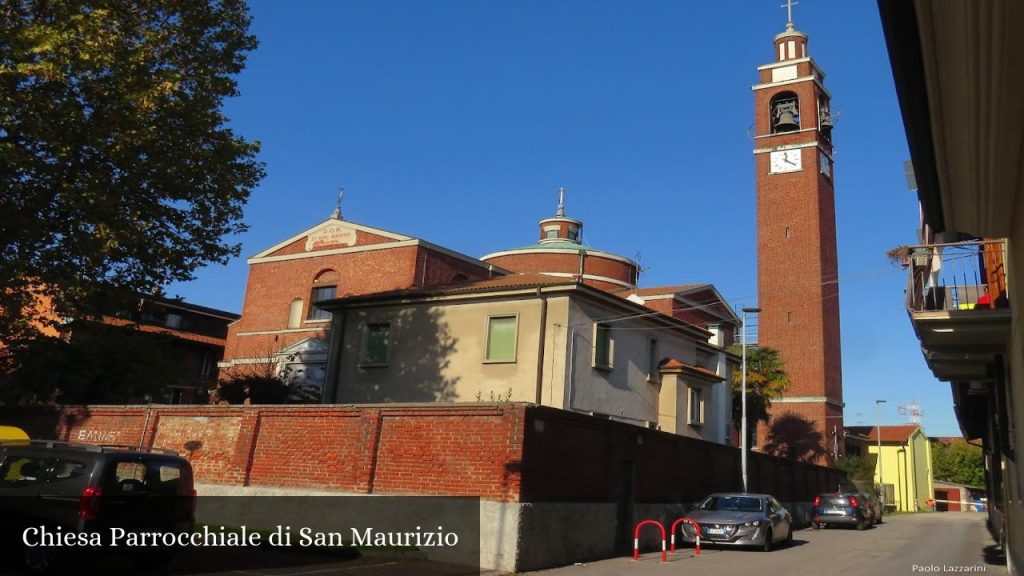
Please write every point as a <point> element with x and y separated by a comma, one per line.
<point>632,389</point>
<point>437,351</point>
<point>906,466</point>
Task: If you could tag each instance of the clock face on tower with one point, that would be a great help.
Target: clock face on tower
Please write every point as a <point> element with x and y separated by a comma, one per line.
<point>785,161</point>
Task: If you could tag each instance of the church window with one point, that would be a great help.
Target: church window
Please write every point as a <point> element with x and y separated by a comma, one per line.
<point>295,313</point>
<point>325,287</point>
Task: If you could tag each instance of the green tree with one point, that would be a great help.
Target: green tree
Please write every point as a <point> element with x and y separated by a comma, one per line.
<point>118,172</point>
<point>859,468</point>
<point>958,462</point>
<point>766,381</point>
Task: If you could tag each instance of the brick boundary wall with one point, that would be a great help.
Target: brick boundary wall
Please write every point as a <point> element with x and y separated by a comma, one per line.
<point>461,450</point>
<point>504,452</point>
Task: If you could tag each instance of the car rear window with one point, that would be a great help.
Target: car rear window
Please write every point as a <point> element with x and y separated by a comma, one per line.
<point>838,500</point>
<point>144,476</point>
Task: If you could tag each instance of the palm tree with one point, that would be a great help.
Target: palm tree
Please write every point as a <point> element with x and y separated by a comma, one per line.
<point>766,381</point>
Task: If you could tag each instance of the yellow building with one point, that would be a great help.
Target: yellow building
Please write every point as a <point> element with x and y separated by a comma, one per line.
<point>905,468</point>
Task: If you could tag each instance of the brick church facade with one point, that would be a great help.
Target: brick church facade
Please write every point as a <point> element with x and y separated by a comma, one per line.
<point>283,333</point>
<point>281,326</point>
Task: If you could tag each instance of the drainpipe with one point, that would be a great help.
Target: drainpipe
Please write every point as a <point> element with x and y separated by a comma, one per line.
<point>572,364</point>
<point>541,336</point>
<point>901,481</point>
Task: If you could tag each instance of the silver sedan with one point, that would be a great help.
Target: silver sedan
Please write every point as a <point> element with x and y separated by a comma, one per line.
<point>740,519</point>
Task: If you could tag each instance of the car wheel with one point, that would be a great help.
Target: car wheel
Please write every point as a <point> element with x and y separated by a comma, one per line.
<point>861,524</point>
<point>767,547</point>
<point>815,525</point>
<point>789,537</point>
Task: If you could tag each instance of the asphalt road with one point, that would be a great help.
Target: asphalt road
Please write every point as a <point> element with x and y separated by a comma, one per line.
<point>912,544</point>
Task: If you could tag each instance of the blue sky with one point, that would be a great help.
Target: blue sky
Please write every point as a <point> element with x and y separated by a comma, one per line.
<point>457,120</point>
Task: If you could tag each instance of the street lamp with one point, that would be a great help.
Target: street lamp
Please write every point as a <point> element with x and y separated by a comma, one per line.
<point>743,394</point>
<point>878,417</point>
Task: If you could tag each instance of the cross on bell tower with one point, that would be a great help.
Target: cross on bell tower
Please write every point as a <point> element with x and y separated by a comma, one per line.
<point>789,14</point>
<point>798,290</point>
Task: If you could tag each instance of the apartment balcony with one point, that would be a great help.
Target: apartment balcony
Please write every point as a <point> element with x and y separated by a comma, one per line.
<point>957,300</point>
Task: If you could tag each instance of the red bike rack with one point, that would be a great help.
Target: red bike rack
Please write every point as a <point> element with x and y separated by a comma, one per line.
<point>696,528</point>
<point>636,539</point>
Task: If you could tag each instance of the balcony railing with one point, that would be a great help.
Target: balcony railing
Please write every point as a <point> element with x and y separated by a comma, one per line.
<point>957,276</point>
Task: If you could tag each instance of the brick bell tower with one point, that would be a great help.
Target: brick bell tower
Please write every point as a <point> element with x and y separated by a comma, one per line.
<point>798,290</point>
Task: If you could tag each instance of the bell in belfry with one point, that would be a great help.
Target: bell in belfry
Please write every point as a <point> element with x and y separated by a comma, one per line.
<point>826,120</point>
<point>785,119</point>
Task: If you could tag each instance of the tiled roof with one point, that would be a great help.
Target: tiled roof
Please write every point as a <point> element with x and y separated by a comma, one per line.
<point>526,280</point>
<point>178,303</point>
<point>674,364</point>
<point>660,290</point>
<point>510,282</point>
<point>182,334</point>
<point>889,433</point>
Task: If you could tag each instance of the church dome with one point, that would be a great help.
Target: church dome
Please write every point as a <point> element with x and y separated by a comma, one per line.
<point>560,252</point>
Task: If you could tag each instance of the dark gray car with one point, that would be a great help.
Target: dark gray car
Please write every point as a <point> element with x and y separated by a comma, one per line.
<point>740,519</point>
<point>841,509</point>
<point>54,486</point>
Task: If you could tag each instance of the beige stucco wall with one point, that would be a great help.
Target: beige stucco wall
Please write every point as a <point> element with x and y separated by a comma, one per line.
<point>437,350</point>
<point>625,392</point>
<point>437,353</point>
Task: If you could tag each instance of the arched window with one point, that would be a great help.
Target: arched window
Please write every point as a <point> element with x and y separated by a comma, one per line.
<point>784,111</point>
<point>295,313</point>
<point>325,287</point>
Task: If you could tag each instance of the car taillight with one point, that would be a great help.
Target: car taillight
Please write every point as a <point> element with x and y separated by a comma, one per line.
<point>817,500</point>
<point>853,501</point>
<point>89,503</point>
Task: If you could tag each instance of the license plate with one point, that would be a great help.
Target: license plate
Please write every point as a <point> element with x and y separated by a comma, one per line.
<point>716,531</point>
<point>835,512</point>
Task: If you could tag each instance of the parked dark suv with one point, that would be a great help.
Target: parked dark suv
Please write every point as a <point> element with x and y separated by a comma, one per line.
<point>841,509</point>
<point>62,487</point>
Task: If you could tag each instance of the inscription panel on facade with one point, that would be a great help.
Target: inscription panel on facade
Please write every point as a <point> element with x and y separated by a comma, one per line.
<point>330,235</point>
